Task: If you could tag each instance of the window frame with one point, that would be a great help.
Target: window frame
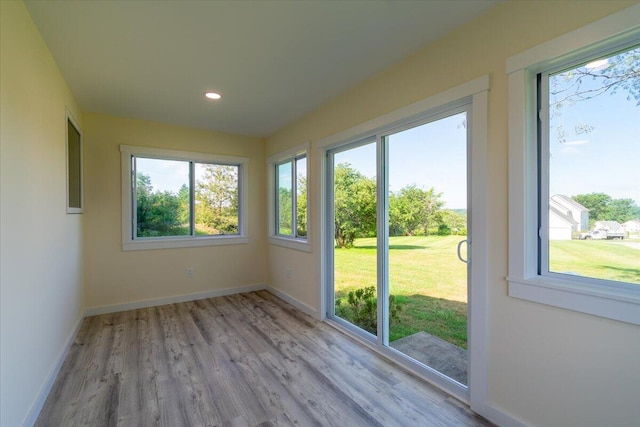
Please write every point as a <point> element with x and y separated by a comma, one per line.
<point>130,242</point>
<point>301,243</point>
<point>603,298</point>
<point>70,120</point>
<point>478,91</point>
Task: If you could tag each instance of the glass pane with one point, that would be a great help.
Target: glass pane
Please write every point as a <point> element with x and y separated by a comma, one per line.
<point>594,169</point>
<point>301,197</point>
<point>427,222</point>
<point>285,200</point>
<point>74,166</point>
<point>216,199</point>
<point>162,197</point>
<point>355,251</point>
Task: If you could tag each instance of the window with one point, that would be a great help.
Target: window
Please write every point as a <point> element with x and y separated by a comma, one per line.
<point>74,167</point>
<point>291,198</point>
<point>178,199</point>
<point>588,172</point>
<point>288,189</point>
<point>574,182</point>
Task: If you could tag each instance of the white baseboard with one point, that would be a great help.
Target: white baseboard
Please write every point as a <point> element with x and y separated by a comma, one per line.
<point>42,395</point>
<point>497,416</point>
<point>294,302</point>
<point>114,308</point>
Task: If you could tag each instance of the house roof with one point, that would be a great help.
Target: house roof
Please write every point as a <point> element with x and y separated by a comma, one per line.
<point>272,61</point>
<point>568,201</point>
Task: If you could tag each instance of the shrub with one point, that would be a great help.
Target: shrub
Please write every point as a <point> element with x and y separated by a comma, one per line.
<point>361,308</point>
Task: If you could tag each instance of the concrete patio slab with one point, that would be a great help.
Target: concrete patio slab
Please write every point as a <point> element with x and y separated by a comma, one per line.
<point>436,353</point>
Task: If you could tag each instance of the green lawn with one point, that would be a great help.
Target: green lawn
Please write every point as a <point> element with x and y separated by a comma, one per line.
<point>602,259</point>
<point>425,275</point>
<point>430,282</point>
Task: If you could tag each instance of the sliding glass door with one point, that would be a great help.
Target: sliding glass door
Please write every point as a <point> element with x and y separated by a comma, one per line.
<point>398,213</point>
<point>426,245</point>
<point>354,218</point>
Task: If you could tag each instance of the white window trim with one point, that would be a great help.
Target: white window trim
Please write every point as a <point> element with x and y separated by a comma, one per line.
<point>590,296</point>
<point>131,244</point>
<point>69,118</point>
<point>297,243</point>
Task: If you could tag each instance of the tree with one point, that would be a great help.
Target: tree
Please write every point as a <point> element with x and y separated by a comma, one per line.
<point>217,199</point>
<point>619,72</point>
<point>413,210</point>
<point>597,203</point>
<point>157,212</point>
<point>183,199</point>
<point>604,208</point>
<point>285,207</point>
<point>623,210</point>
<point>451,222</point>
<point>354,205</point>
<point>301,200</point>
<point>432,206</point>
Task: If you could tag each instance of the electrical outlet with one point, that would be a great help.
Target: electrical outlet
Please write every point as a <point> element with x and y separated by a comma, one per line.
<point>189,273</point>
<point>288,273</point>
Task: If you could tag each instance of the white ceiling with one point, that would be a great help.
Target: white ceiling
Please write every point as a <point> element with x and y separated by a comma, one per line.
<point>272,61</point>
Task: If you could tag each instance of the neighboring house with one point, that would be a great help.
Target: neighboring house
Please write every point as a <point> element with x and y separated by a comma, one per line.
<point>632,226</point>
<point>561,224</point>
<point>609,226</point>
<point>565,217</point>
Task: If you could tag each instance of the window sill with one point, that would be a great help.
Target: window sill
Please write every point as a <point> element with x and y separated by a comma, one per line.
<point>291,243</point>
<point>189,242</point>
<point>622,305</point>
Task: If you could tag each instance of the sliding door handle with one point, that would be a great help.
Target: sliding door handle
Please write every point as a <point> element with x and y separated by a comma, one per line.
<point>459,254</point>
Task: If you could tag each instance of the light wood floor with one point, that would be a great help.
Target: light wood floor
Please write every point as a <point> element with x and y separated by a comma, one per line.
<point>242,360</point>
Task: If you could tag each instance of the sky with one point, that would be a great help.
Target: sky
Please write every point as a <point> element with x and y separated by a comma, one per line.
<point>168,175</point>
<point>603,160</point>
<point>430,155</point>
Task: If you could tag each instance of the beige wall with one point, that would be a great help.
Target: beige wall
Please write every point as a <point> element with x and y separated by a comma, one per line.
<point>41,246</point>
<point>116,277</point>
<point>547,366</point>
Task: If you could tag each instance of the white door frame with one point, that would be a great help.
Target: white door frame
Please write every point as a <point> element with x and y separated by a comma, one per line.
<point>477,92</point>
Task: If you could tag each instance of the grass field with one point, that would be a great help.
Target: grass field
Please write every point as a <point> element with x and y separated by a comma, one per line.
<point>602,259</point>
<point>425,275</point>
<point>429,280</point>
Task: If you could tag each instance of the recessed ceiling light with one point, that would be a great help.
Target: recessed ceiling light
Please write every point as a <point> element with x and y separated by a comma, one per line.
<point>212,95</point>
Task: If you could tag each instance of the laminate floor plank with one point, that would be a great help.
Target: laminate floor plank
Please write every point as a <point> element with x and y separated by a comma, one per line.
<point>353,370</point>
<point>352,380</point>
<point>240,360</point>
<point>301,362</point>
<point>239,399</point>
